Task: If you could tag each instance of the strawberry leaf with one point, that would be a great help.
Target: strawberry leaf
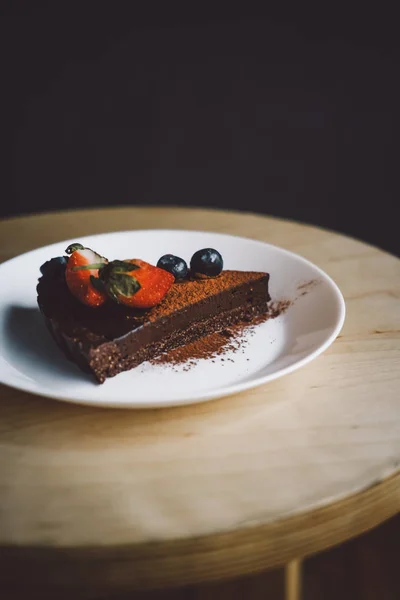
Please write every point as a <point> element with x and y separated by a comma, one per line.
<point>120,266</point>
<point>115,267</point>
<point>122,285</point>
<point>97,283</point>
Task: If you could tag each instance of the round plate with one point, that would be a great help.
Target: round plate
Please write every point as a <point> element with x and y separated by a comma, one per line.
<point>31,361</point>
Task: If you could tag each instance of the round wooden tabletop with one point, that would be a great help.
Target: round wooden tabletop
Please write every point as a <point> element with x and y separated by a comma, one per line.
<point>138,499</point>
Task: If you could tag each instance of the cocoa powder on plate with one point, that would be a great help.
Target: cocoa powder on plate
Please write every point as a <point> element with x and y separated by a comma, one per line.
<point>230,339</point>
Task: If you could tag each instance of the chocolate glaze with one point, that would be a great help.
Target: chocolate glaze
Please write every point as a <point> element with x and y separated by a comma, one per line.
<point>110,339</point>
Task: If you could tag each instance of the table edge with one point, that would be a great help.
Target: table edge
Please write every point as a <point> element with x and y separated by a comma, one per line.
<point>212,558</point>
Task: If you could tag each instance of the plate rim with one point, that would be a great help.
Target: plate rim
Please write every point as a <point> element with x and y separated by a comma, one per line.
<point>206,396</point>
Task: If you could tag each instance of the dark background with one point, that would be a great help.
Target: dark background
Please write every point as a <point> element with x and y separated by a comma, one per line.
<point>290,110</point>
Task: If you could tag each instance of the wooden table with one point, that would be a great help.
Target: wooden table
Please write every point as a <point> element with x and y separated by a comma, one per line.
<point>118,500</point>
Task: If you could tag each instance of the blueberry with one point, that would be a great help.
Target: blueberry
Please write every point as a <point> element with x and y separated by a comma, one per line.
<point>173,264</point>
<point>206,262</point>
<point>55,267</point>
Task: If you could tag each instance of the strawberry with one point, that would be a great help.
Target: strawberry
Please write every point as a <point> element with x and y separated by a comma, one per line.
<point>135,283</point>
<point>81,275</point>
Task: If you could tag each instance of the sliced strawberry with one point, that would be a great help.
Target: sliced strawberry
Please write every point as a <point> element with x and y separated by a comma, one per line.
<point>82,273</point>
<point>135,283</point>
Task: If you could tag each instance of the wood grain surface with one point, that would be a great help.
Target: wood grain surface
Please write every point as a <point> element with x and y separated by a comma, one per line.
<point>125,500</point>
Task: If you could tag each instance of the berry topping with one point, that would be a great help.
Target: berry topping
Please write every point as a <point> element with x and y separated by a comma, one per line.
<point>135,283</point>
<point>54,268</point>
<point>173,264</point>
<point>206,262</point>
<point>81,275</point>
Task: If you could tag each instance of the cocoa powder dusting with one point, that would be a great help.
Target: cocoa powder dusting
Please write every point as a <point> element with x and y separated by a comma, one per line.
<point>194,290</point>
<point>278,308</point>
<point>307,286</point>
<point>206,347</point>
<point>230,339</point>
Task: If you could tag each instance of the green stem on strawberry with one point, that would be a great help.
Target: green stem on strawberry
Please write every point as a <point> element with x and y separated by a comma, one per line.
<point>88,267</point>
<point>116,280</point>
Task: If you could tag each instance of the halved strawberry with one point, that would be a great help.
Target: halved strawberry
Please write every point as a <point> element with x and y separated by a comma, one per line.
<point>135,283</point>
<point>81,275</point>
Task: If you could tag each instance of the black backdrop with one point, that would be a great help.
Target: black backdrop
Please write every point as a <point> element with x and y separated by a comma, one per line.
<point>291,110</point>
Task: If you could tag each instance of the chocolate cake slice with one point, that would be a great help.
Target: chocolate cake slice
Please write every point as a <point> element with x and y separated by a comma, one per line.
<point>111,338</point>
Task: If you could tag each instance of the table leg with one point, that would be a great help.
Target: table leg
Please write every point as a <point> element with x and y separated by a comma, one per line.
<point>293,580</point>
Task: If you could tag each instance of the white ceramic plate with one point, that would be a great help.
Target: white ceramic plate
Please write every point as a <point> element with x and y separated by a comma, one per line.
<point>31,361</point>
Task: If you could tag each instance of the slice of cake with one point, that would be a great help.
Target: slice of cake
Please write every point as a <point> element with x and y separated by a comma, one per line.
<point>107,324</point>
